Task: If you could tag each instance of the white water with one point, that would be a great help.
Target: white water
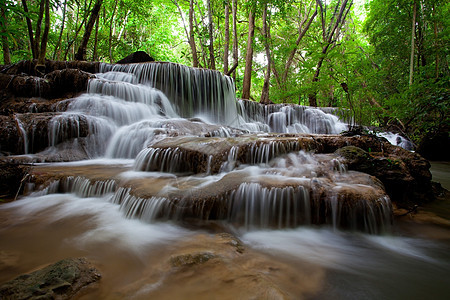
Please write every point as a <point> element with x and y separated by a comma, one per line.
<point>104,220</point>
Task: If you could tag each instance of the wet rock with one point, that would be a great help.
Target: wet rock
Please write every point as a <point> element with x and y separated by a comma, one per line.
<point>213,155</point>
<point>34,132</point>
<point>136,57</point>
<point>227,274</point>
<point>405,175</point>
<point>28,67</point>
<point>434,146</point>
<point>12,176</point>
<point>62,280</point>
<point>191,259</point>
<point>56,84</point>
<point>11,140</point>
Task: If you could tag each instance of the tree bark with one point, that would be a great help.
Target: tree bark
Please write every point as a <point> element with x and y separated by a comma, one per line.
<point>226,46</point>
<point>266,33</point>
<point>37,35</point>
<point>94,52</point>
<point>191,35</point>
<point>5,46</point>
<point>30,28</point>
<point>235,40</point>
<point>43,50</point>
<point>212,60</point>
<point>111,31</point>
<point>413,30</point>
<point>249,56</point>
<point>57,52</point>
<point>81,53</point>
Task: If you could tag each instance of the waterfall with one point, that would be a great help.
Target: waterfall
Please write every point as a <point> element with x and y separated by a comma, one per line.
<point>223,159</point>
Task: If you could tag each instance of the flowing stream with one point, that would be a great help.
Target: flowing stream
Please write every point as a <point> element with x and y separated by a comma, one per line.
<point>176,161</point>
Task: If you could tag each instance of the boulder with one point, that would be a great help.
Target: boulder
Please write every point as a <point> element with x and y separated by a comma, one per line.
<point>62,280</point>
<point>405,175</point>
<point>136,57</point>
<point>434,146</point>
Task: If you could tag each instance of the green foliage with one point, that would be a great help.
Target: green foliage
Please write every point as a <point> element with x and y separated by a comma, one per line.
<point>365,69</point>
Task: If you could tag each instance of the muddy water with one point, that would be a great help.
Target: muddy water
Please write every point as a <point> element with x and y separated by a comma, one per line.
<point>165,261</point>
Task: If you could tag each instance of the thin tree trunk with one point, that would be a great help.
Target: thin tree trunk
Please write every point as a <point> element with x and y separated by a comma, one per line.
<point>43,51</point>
<point>329,35</point>
<point>435,43</point>
<point>226,46</point>
<point>413,30</point>
<point>57,52</point>
<point>81,53</point>
<point>191,35</point>
<point>266,33</point>
<point>37,36</point>
<point>212,60</point>
<point>235,40</point>
<point>94,52</point>
<point>30,28</point>
<point>5,46</point>
<point>249,56</point>
<point>202,38</point>
<point>297,42</point>
<point>111,31</point>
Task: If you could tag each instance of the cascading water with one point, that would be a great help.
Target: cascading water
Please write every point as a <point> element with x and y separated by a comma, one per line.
<point>172,145</point>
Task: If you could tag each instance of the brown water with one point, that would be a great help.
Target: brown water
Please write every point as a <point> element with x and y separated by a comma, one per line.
<point>136,259</point>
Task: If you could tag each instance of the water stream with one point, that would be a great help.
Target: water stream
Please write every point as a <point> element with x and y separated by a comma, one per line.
<point>175,160</point>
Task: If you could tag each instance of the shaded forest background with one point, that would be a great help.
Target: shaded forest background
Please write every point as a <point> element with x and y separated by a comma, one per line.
<point>387,61</point>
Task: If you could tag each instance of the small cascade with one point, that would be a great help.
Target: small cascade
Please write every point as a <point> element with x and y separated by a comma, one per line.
<point>398,140</point>
<point>256,206</point>
<point>23,132</point>
<point>288,118</point>
<point>149,210</point>
<point>164,160</point>
<point>72,125</point>
<point>80,186</point>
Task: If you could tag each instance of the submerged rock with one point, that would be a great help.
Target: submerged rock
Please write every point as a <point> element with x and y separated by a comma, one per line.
<point>212,266</point>
<point>62,280</point>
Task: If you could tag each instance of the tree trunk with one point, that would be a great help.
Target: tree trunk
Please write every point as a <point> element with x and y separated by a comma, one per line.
<point>249,56</point>
<point>94,52</point>
<point>297,42</point>
<point>235,40</point>
<point>266,33</point>
<point>37,35</point>
<point>435,43</point>
<point>329,36</point>
<point>191,35</point>
<point>413,30</point>
<point>202,38</point>
<point>111,32</point>
<point>81,53</point>
<point>5,46</point>
<point>43,51</point>
<point>226,46</point>
<point>30,28</point>
<point>212,60</point>
<point>57,52</point>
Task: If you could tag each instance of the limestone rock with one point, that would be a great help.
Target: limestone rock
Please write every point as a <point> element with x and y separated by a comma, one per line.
<point>62,280</point>
<point>405,175</point>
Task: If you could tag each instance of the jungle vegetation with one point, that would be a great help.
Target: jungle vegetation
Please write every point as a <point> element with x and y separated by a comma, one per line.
<point>387,61</point>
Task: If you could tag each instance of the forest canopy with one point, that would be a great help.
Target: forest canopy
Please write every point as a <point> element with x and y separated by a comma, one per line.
<point>387,61</point>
